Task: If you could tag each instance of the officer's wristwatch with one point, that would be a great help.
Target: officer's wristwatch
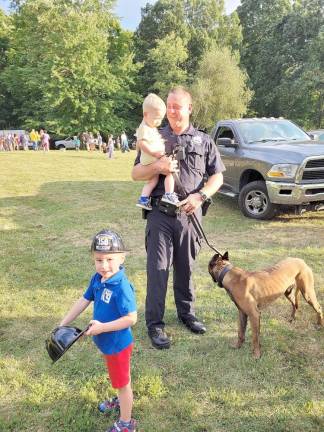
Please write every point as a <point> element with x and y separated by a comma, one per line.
<point>204,197</point>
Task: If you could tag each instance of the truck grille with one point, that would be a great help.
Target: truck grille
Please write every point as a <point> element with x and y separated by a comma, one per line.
<point>315,163</point>
<point>314,170</point>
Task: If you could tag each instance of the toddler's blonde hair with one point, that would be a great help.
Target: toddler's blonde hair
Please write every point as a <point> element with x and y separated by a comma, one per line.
<point>153,101</point>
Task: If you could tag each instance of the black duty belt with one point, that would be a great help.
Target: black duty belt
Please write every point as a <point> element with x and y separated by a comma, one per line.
<point>155,201</point>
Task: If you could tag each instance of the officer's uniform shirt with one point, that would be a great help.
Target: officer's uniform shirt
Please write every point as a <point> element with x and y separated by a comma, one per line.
<point>201,158</point>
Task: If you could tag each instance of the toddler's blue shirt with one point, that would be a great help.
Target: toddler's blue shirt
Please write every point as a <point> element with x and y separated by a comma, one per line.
<point>112,299</point>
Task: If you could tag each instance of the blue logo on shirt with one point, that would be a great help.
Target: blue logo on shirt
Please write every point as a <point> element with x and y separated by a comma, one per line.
<point>106,295</point>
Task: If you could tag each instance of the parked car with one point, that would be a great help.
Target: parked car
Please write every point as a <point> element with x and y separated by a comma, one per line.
<point>317,134</point>
<point>270,163</point>
<point>65,144</point>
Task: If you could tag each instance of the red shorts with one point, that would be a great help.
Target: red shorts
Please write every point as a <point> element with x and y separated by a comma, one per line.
<point>118,366</point>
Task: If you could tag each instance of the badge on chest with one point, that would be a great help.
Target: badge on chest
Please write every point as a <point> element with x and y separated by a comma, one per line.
<point>196,140</point>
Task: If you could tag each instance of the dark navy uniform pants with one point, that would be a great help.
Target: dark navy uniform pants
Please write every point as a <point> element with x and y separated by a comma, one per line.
<point>170,241</point>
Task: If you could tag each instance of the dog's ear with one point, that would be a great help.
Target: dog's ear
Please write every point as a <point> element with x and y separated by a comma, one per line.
<point>225,256</point>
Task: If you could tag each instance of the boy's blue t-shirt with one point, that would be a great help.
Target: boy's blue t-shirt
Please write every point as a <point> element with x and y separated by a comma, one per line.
<point>112,299</point>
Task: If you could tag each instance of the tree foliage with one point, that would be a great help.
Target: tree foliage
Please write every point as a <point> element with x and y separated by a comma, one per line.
<point>167,60</point>
<point>69,66</point>
<point>300,93</point>
<point>197,23</point>
<point>283,55</point>
<point>219,90</point>
<point>5,31</point>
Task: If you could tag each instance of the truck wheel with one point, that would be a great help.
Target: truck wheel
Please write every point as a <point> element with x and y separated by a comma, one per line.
<point>61,147</point>
<point>254,201</point>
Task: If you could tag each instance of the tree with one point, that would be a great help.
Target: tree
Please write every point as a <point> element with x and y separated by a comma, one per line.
<point>167,63</point>
<point>300,93</point>
<point>70,76</point>
<point>283,54</point>
<point>219,90</point>
<point>198,23</point>
<point>5,32</point>
<point>259,20</point>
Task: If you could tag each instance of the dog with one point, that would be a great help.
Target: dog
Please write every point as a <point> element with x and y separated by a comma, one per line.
<point>252,291</point>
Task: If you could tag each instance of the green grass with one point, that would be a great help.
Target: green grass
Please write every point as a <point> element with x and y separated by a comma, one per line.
<point>50,207</point>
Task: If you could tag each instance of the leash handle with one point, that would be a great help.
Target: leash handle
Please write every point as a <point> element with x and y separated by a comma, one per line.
<point>193,218</point>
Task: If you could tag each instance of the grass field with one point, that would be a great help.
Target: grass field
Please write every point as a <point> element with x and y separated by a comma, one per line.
<point>50,207</point>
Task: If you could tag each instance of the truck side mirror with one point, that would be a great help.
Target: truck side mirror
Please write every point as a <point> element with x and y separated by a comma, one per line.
<point>313,136</point>
<point>226,142</point>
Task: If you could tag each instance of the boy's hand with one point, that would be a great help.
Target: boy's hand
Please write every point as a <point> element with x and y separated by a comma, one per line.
<point>96,327</point>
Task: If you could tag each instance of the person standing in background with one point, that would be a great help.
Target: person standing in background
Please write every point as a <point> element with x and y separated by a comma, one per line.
<point>124,142</point>
<point>33,136</point>
<point>99,139</point>
<point>110,147</point>
<point>44,140</point>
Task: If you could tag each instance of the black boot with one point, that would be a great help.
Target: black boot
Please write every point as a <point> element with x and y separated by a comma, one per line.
<point>193,324</point>
<point>159,338</point>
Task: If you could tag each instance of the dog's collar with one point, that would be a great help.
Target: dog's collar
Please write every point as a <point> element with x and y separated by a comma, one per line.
<point>222,275</point>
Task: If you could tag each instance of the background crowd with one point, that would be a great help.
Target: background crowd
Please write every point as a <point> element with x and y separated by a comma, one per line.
<point>90,141</point>
<point>22,140</point>
<point>40,140</point>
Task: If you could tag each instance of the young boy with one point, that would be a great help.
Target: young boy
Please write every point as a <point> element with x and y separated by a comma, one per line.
<point>114,313</point>
<point>151,145</point>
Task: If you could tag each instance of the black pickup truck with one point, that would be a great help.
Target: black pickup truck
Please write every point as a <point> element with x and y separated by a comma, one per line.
<point>270,163</point>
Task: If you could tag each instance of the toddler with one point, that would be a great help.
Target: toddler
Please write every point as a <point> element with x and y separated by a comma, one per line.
<point>151,145</point>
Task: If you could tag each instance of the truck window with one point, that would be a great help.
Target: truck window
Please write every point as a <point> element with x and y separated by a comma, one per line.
<point>225,132</point>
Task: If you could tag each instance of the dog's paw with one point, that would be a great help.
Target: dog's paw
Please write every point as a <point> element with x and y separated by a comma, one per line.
<point>256,354</point>
<point>237,344</point>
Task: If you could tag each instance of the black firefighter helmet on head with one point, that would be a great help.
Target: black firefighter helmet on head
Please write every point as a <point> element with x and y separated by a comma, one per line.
<point>107,241</point>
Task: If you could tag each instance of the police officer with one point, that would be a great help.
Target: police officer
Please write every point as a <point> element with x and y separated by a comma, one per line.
<point>172,240</point>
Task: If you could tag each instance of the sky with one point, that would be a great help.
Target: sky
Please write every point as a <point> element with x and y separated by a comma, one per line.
<point>129,11</point>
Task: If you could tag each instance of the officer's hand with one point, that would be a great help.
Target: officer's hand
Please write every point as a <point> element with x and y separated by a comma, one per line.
<point>167,165</point>
<point>158,154</point>
<point>95,328</point>
<point>192,203</point>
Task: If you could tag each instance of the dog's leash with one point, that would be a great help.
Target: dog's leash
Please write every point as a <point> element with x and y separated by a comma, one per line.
<point>193,218</point>
<point>199,229</point>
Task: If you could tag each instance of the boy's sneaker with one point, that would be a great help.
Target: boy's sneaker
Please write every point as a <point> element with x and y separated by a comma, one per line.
<point>119,427</point>
<point>107,406</point>
<point>170,197</point>
<point>144,203</point>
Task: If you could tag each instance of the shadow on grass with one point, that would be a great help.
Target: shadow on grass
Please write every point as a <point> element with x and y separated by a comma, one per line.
<point>200,384</point>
